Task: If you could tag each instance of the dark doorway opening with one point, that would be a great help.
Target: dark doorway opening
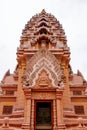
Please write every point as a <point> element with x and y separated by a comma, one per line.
<point>43,116</point>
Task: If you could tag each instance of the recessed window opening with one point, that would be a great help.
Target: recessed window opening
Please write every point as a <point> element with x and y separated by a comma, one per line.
<point>43,31</point>
<point>9,92</point>
<point>43,24</point>
<point>7,109</point>
<point>79,109</point>
<point>77,92</point>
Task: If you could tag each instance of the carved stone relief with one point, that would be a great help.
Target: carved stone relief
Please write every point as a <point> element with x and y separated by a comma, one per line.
<point>43,80</point>
<point>43,95</point>
<point>42,60</point>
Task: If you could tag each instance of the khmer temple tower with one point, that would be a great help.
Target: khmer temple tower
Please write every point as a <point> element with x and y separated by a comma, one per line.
<point>43,93</point>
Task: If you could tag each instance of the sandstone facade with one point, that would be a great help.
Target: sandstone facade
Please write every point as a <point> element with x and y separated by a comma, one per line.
<point>43,93</point>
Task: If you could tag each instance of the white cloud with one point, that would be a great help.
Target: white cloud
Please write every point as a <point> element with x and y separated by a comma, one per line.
<point>14,14</point>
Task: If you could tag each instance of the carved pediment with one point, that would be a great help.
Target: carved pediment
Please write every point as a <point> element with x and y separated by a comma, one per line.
<point>42,60</point>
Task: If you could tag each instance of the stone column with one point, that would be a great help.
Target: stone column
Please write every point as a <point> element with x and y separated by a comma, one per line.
<point>66,94</point>
<point>59,108</point>
<point>27,110</point>
<point>19,106</point>
<point>54,115</point>
<point>32,115</point>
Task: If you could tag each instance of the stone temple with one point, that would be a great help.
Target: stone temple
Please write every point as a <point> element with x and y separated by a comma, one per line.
<point>43,93</point>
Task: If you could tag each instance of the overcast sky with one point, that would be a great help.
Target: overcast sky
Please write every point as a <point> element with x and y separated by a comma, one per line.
<point>14,14</point>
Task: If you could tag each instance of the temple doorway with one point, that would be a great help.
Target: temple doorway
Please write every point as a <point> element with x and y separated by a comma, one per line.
<point>43,116</point>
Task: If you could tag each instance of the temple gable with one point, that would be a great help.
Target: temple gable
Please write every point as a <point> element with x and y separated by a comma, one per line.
<point>42,60</point>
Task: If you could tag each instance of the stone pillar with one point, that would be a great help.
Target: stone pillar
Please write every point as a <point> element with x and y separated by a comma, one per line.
<point>59,108</point>
<point>66,94</point>
<point>19,106</point>
<point>32,115</point>
<point>27,110</point>
<point>54,115</point>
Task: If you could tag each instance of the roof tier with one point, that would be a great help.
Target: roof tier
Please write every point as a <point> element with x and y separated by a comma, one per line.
<point>43,26</point>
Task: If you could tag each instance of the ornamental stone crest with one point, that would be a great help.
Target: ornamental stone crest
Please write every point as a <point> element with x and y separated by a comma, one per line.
<point>43,60</point>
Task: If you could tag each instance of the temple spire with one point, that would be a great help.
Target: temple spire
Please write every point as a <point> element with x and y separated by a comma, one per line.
<point>43,11</point>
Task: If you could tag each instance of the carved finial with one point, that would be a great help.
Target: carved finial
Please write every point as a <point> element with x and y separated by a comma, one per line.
<point>43,11</point>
